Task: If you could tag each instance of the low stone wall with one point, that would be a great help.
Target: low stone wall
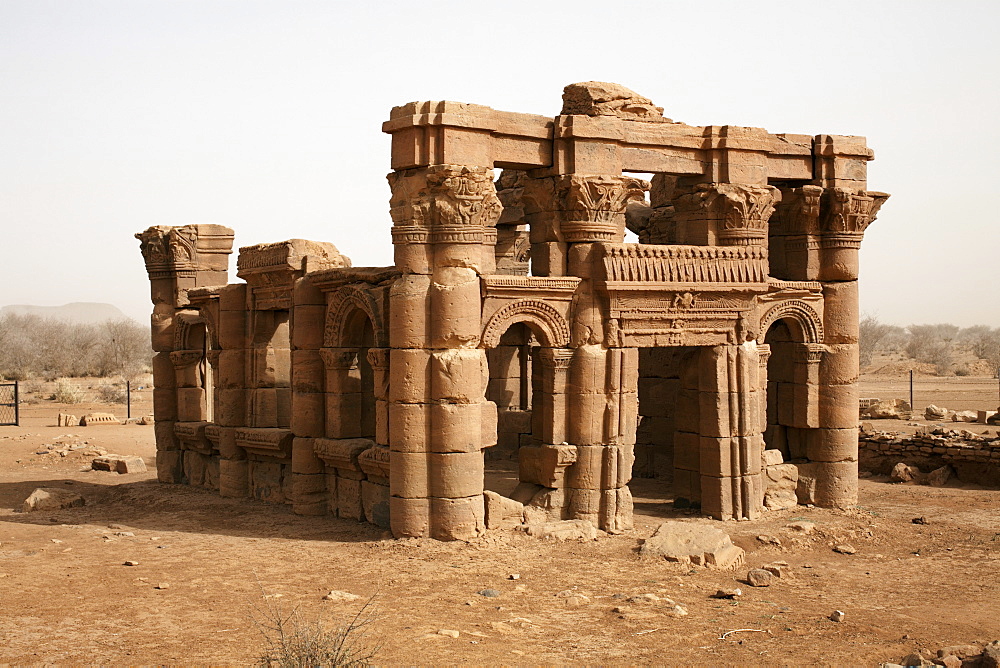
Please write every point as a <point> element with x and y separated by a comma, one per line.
<point>974,458</point>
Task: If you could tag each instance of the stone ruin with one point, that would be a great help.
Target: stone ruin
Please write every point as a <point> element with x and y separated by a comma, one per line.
<point>516,319</point>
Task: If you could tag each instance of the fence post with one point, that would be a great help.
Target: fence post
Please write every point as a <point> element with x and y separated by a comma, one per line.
<point>17,404</point>
<point>912,407</point>
<point>128,399</point>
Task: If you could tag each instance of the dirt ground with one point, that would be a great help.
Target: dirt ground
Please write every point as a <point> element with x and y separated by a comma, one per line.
<point>68,598</point>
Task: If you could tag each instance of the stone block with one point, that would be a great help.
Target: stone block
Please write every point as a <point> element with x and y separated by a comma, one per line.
<point>832,445</point>
<point>375,502</point>
<point>409,375</point>
<point>501,512</point>
<point>349,503</point>
<point>458,376</point>
<point>308,325</point>
<point>233,478</point>
<point>49,498</point>
<point>308,416</point>
<point>170,466</point>
<point>780,482</point>
<point>408,309</point>
<point>451,475</point>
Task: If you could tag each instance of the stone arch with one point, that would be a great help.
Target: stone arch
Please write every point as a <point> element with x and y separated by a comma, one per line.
<point>803,320</point>
<point>186,329</point>
<point>543,319</point>
<point>341,314</point>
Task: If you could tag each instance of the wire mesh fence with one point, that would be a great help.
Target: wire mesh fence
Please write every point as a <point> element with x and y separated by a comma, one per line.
<point>9,400</point>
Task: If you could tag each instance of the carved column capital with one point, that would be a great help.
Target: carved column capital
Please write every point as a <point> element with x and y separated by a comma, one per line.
<point>378,358</point>
<point>450,200</point>
<point>809,353</point>
<point>185,358</point>
<point>338,358</point>
<point>555,358</point>
<point>739,212</point>
<point>181,251</point>
<point>593,207</point>
<point>798,211</point>
<point>849,212</point>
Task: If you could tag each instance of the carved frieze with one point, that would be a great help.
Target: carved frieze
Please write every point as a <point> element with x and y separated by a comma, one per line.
<point>551,325</point>
<point>641,263</point>
<point>265,441</point>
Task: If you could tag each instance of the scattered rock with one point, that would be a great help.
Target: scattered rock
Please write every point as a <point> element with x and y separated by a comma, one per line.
<point>759,577</point>
<point>577,601</point>
<point>489,593</point>
<point>119,464</point>
<point>696,544</point>
<point>939,477</point>
<point>450,633</point>
<point>991,655</point>
<point>49,498</point>
<point>902,472</point>
<point>599,98</point>
<point>728,593</point>
<point>514,576</point>
<point>802,526</point>
<point>780,485</point>
<point>961,651</point>
<point>934,413</point>
<point>335,595</point>
<point>778,569</point>
<point>844,548</point>
<point>837,616</point>
<point>146,419</point>
<point>131,563</point>
<point>949,661</point>
<point>964,416</point>
<point>769,540</point>
<point>563,530</point>
<point>920,520</point>
<point>890,409</point>
<point>162,585</point>
<point>916,659</point>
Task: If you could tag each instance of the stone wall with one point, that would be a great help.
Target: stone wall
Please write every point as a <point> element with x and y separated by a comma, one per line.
<point>974,458</point>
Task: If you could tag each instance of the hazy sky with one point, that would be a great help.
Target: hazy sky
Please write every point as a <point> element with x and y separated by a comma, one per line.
<point>266,116</point>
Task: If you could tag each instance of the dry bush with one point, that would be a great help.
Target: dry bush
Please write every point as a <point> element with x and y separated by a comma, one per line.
<point>292,640</point>
<point>111,394</point>
<point>32,346</point>
<point>67,393</point>
<point>875,336</point>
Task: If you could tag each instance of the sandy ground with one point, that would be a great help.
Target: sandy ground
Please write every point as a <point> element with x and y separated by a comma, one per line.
<point>68,598</point>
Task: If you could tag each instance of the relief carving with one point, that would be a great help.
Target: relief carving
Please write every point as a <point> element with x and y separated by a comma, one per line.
<point>848,212</point>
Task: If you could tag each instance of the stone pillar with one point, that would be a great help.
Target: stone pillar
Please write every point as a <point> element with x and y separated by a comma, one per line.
<point>844,217</point>
<point>230,390</point>
<point>177,260</point>
<point>732,485</point>
<point>443,231</point>
<point>794,247</point>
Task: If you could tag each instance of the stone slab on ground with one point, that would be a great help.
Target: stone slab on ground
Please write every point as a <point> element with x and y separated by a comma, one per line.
<point>691,543</point>
<point>48,498</point>
<point>119,464</point>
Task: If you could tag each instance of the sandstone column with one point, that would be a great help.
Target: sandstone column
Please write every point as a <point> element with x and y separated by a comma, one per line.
<point>443,218</point>
<point>845,214</point>
<point>177,260</point>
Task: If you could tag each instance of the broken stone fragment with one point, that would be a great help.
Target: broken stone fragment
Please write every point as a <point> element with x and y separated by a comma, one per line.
<point>759,577</point>
<point>563,530</point>
<point>696,544</point>
<point>47,498</point>
<point>599,98</point>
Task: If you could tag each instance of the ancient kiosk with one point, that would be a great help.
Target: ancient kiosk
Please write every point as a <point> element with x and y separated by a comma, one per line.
<point>719,353</point>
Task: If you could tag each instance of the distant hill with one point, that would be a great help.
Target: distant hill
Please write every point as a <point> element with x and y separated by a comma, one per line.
<point>84,313</point>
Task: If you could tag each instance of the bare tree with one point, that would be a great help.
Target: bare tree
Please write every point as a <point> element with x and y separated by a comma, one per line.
<point>873,337</point>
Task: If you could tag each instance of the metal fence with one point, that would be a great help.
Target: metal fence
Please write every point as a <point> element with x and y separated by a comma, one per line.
<point>10,414</point>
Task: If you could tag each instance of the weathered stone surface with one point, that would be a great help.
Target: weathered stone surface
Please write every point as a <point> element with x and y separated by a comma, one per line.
<point>964,416</point>
<point>597,98</point>
<point>563,530</point>
<point>933,413</point>
<point>760,577</point>
<point>895,409</point>
<point>119,464</point>
<point>902,472</point>
<point>274,387</point>
<point>501,511</point>
<point>696,544</point>
<point>98,418</point>
<point>939,476</point>
<point>48,498</point>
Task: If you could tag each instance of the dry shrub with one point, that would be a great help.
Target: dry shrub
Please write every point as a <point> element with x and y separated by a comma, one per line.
<point>111,394</point>
<point>67,393</point>
<point>292,640</point>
